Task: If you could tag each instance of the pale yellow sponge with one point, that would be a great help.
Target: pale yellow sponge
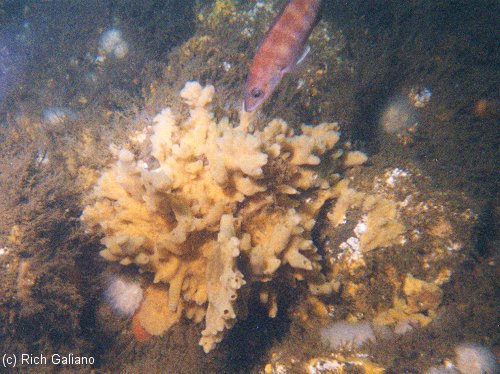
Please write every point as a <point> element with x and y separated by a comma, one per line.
<point>218,197</point>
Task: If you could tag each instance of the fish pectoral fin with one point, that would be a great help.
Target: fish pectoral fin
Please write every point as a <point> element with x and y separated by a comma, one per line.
<point>285,69</point>
<point>290,67</point>
<point>305,52</point>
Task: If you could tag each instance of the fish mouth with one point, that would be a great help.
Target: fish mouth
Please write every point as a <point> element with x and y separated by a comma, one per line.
<point>250,106</point>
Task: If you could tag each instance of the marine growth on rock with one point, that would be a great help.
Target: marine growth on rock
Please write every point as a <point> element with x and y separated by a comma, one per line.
<point>208,208</point>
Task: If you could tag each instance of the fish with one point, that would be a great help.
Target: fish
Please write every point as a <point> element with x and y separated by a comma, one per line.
<point>281,49</point>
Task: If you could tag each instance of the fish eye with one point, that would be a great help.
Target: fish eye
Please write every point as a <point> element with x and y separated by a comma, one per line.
<point>256,93</point>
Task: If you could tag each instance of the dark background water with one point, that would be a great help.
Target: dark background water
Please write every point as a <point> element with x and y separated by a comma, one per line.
<point>450,47</point>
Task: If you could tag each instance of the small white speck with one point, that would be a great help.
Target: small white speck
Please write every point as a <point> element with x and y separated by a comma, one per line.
<point>420,97</point>
<point>361,226</point>
<point>139,137</point>
<point>322,366</point>
<point>99,59</point>
<point>247,31</point>
<point>393,175</point>
<point>454,246</point>
<point>42,157</point>
<point>352,242</point>
<point>406,201</point>
<point>449,365</point>
<point>350,250</point>
<point>280,369</point>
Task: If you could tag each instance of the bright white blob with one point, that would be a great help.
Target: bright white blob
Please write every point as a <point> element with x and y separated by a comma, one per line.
<point>57,116</point>
<point>398,116</point>
<point>475,359</point>
<point>124,296</point>
<point>343,334</point>
<point>111,43</point>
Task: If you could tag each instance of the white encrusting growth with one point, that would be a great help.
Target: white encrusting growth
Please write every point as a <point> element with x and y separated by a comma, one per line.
<point>124,296</point>
<point>111,43</point>
<point>343,334</point>
<point>475,359</point>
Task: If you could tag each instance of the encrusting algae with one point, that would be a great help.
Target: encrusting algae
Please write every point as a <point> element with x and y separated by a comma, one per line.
<point>209,208</point>
<point>419,306</point>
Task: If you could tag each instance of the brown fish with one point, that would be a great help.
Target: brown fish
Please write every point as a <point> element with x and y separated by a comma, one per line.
<point>280,50</point>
